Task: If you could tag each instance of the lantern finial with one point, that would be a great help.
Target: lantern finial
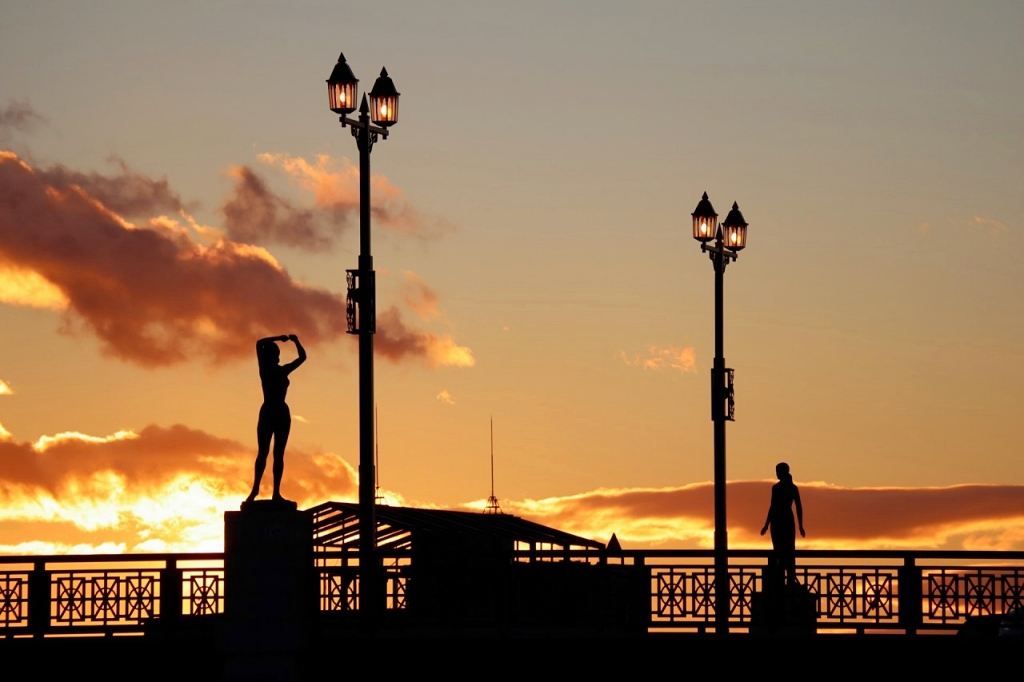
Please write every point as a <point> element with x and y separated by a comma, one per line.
<point>342,87</point>
<point>705,220</point>
<point>384,100</point>
<point>735,228</point>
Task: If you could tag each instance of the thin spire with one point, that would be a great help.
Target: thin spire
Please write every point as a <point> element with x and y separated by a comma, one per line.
<point>377,497</point>
<point>492,501</point>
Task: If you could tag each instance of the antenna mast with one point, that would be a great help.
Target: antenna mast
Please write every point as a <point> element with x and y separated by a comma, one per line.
<point>377,497</point>
<point>492,501</point>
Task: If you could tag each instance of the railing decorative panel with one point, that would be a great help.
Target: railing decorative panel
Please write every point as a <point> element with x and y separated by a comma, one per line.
<point>683,594</point>
<point>13,599</point>
<point>857,596</point>
<point>103,598</point>
<point>953,594</point>
<point>202,592</point>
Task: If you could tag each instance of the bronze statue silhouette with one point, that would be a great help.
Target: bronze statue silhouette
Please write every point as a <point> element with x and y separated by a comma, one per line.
<point>275,420</point>
<point>780,518</point>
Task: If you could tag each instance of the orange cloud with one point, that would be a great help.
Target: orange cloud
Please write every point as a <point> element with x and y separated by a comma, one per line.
<point>152,296</point>
<point>991,225</point>
<point>659,358</point>
<point>161,489</point>
<point>5,388</point>
<point>335,188</point>
<point>965,516</point>
<point>446,398</point>
<point>125,192</point>
<point>396,342</point>
<point>155,295</point>
<point>256,215</point>
<point>420,298</point>
<point>27,288</point>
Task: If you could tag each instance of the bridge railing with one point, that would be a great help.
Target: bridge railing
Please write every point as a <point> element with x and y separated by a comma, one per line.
<point>107,594</point>
<point>853,591</point>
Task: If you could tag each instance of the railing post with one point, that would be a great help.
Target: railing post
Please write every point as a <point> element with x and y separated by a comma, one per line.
<point>38,599</point>
<point>649,594</point>
<point>909,590</point>
<point>170,594</point>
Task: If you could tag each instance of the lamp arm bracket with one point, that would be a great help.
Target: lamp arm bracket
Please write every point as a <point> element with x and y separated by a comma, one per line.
<point>716,250</point>
<point>356,124</point>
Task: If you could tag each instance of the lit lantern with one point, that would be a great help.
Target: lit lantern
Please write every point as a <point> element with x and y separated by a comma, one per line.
<point>705,220</point>
<point>384,101</point>
<point>342,88</point>
<point>735,228</point>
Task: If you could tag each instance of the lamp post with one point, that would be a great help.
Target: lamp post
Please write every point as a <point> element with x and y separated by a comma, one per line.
<point>729,238</point>
<point>374,120</point>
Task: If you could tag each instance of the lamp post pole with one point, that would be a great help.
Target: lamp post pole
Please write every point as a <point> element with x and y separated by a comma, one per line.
<point>729,238</point>
<point>361,309</point>
<point>718,415</point>
<point>368,563</point>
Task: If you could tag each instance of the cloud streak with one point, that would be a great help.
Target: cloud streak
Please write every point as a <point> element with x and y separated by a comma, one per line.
<point>659,358</point>
<point>126,192</point>
<point>420,298</point>
<point>19,116</point>
<point>991,225</point>
<point>954,517</point>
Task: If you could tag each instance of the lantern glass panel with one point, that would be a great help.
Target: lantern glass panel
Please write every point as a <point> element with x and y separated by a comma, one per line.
<point>736,237</point>
<point>342,97</point>
<point>704,228</point>
<point>384,109</point>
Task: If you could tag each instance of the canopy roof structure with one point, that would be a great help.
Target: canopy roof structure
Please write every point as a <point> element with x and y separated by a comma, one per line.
<point>336,524</point>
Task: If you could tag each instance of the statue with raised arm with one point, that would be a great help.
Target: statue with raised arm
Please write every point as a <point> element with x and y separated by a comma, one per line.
<point>275,420</point>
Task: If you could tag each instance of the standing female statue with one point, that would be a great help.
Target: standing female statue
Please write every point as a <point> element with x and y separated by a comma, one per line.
<point>275,419</point>
<point>780,518</point>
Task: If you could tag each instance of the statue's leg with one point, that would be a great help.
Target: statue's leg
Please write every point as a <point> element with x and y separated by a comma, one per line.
<point>281,432</point>
<point>264,431</point>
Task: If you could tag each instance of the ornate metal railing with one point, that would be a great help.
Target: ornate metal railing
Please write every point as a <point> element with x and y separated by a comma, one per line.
<point>852,591</point>
<point>855,591</point>
<point>48,595</point>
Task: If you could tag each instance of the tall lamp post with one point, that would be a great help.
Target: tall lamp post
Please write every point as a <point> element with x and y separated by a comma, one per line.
<point>729,238</point>
<point>374,120</point>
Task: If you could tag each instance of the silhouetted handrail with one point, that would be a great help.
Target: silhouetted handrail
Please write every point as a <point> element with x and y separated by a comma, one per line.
<point>859,590</point>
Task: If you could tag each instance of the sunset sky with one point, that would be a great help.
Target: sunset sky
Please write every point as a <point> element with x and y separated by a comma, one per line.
<point>173,187</point>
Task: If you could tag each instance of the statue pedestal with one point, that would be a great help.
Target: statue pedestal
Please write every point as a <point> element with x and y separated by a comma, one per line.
<point>270,589</point>
<point>783,610</point>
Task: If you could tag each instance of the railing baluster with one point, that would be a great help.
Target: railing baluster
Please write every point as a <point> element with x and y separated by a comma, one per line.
<point>170,593</point>
<point>39,599</point>
<point>909,591</point>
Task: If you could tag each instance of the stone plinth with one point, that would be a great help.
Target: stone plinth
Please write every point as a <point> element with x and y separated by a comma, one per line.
<point>270,590</point>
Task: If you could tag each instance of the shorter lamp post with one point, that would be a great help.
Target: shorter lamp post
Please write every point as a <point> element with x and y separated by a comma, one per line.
<point>374,120</point>
<point>729,238</point>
